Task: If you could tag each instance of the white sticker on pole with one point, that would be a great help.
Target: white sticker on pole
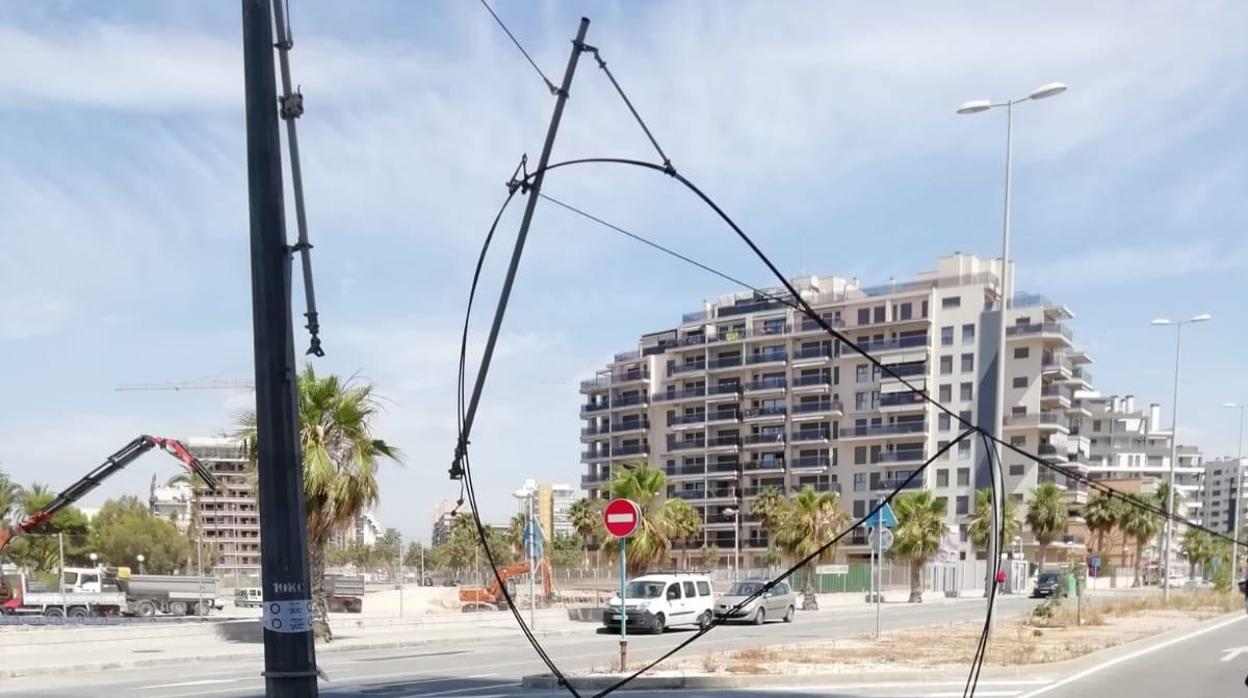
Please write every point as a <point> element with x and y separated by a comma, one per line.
<point>288,616</point>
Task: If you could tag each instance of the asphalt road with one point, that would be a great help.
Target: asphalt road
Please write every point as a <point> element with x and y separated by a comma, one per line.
<point>475,670</point>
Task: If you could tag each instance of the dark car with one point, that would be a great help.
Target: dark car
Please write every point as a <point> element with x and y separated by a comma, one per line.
<point>1047,584</point>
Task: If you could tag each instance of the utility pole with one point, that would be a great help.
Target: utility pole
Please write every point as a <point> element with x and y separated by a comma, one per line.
<point>289,654</point>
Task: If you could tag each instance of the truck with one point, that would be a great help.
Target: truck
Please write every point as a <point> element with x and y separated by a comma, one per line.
<point>86,596</point>
<point>176,595</point>
<point>345,593</point>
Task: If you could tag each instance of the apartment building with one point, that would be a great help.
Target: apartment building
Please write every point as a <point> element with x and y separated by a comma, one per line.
<point>551,506</point>
<point>229,519</point>
<point>1126,442</point>
<point>172,502</point>
<point>1218,494</point>
<point>747,394</point>
<point>443,518</point>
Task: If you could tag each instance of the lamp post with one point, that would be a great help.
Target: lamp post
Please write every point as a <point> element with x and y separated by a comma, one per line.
<point>1239,486</point>
<point>735,513</point>
<point>94,557</point>
<point>974,107</point>
<point>1166,543</point>
<point>140,559</point>
<point>526,494</point>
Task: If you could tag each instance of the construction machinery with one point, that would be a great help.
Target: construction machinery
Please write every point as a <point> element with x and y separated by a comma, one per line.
<point>491,598</point>
<point>114,463</point>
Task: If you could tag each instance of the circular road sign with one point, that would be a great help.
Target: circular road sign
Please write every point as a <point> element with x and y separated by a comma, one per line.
<point>622,517</point>
<point>886,542</point>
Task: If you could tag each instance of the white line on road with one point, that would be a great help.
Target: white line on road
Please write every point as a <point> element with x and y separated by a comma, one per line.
<point>468,689</point>
<point>1126,658</point>
<point>985,694</point>
<point>184,684</point>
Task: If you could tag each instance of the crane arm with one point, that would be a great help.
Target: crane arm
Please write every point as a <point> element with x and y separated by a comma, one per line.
<point>111,465</point>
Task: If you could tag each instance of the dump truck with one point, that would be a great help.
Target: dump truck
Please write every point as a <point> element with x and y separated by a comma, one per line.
<point>176,595</point>
<point>345,593</point>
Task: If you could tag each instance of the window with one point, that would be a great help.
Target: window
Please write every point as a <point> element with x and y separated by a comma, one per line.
<point>968,334</point>
<point>1017,469</point>
<point>879,313</point>
<point>1018,411</point>
<point>904,311</point>
<point>860,457</point>
<point>864,316</point>
<point>942,502</point>
<point>1022,352</point>
<point>673,592</point>
<point>946,393</point>
<point>946,336</point>
<point>1018,441</point>
<point>951,302</point>
<point>1096,425</point>
<point>966,391</point>
<point>1020,382</point>
<point>1017,497</point>
<point>946,365</point>
<point>964,534</point>
<point>943,422</point>
<point>940,446</point>
<point>860,484</point>
<point>860,373</point>
<point>968,363</point>
<point>964,448</point>
<point>964,477</point>
<point>860,506</point>
<point>704,588</point>
<point>836,375</point>
<point>942,478</point>
<point>860,402</point>
<point>963,505</point>
<point>690,590</point>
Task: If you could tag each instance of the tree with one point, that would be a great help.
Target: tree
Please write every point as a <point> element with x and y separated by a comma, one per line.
<point>39,550</point>
<point>586,517</point>
<point>652,543</point>
<point>684,524</point>
<point>1198,547</point>
<point>414,554</point>
<point>980,523</point>
<point>10,498</point>
<point>1141,524</point>
<point>770,506</point>
<point>515,534</point>
<point>1047,516</point>
<point>125,528</point>
<point>1100,515</point>
<point>340,458</point>
<point>564,552</point>
<point>711,556</point>
<point>919,532</point>
<point>809,521</point>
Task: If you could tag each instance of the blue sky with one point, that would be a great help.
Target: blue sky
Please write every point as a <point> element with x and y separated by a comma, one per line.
<point>827,129</point>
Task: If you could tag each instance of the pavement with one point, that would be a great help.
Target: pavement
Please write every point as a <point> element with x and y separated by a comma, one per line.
<point>1195,662</point>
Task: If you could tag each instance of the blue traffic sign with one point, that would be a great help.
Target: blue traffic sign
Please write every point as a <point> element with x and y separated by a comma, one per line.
<point>884,517</point>
<point>533,539</point>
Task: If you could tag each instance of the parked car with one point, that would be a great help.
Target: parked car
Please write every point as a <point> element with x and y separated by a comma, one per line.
<point>1047,584</point>
<point>778,602</point>
<point>656,602</point>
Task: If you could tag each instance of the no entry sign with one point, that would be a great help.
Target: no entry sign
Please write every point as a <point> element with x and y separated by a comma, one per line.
<point>622,517</point>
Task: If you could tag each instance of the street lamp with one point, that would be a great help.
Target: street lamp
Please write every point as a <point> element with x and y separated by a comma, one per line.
<point>974,107</point>
<point>526,494</point>
<point>1174,445</point>
<point>140,558</point>
<point>93,557</point>
<point>1239,485</point>
<point>735,513</point>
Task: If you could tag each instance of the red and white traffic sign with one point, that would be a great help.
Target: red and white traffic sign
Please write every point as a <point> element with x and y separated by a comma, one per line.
<point>622,517</point>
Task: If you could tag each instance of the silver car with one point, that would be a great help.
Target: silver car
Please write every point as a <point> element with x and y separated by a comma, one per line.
<point>777,603</point>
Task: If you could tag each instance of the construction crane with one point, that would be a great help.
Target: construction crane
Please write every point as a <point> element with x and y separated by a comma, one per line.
<point>114,463</point>
<point>189,385</point>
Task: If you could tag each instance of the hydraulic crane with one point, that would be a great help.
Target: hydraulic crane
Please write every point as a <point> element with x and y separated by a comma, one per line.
<point>123,457</point>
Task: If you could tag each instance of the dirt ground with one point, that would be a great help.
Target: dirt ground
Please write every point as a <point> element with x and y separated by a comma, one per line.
<point>1017,641</point>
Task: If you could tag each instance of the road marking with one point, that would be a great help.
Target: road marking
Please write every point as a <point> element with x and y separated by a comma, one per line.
<point>468,689</point>
<point>1233,652</point>
<point>1126,658</point>
<point>985,694</point>
<point>184,684</point>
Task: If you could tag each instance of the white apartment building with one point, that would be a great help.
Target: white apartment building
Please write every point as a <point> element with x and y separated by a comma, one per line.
<point>1218,494</point>
<point>443,517</point>
<point>172,503</point>
<point>1126,442</point>
<point>551,506</point>
<point>747,394</point>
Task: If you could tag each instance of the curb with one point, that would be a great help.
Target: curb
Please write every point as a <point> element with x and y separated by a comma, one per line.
<point>237,656</point>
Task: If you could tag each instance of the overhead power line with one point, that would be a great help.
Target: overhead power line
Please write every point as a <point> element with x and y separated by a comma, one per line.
<point>549,85</point>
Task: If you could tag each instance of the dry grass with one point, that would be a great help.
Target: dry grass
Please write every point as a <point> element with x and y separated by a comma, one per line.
<point>1021,641</point>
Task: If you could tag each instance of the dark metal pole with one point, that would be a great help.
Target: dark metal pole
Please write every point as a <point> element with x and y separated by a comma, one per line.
<point>578,45</point>
<point>289,655</point>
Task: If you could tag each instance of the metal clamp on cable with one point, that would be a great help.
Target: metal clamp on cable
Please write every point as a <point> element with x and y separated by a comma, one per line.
<point>292,104</point>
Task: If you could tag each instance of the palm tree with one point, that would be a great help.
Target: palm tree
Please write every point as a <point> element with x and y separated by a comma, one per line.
<point>515,534</point>
<point>920,530</point>
<point>1100,515</point>
<point>684,524</point>
<point>1047,515</point>
<point>770,506</point>
<point>340,457</point>
<point>586,517</point>
<point>809,521</point>
<point>1141,524</point>
<point>652,542</point>
<point>980,523</point>
<point>10,499</point>
<point>1198,547</point>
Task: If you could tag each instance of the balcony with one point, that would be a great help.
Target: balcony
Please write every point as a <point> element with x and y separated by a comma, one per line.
<point>879,430</point>
<point>684,470</point>
<point>909,370</point>
<point>601,382</point>
<point>768,465</point>
<point>766,384</point>
<point>687,367</point>
<point>770,329</point>
<point>899,456</point>
<point>905,400</point>
<point>594,480</point>
<point>761,413</point>
<point>693,494</point>
<point>812,354</point>
<point>723,417</point>
<point>1057,394</point>
<point>629,425</point>
<point>809,325</point>
<point>723,363</point>
<point>723,442</point>
<point>630,401</point>
<point>897,343</point>
<point>735,334</point>
<point>592,407</point>
<point>1040,329</point>
<point>630,450</point>
<point>687,444</point>
<point>595,455</point>
<point>589,433</point>
<point>720,494</point>
<point>721,467</point>
<point>682,420</point>
<point>630,376</point>
<point>817,383</point>
<point>768,357</point>
<point>818,409</point>
<point>673,395</point>
<point>817,486</point>
<point>808,435</point>
<point>889,485</point>
<point>1081,376</point>
<point>1051,452</point>
<point>1044,420</point>
<point>767,439</point>
<point>810,462</point>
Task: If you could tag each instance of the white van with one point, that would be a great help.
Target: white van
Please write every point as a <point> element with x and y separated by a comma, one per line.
<point>656,602</point>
